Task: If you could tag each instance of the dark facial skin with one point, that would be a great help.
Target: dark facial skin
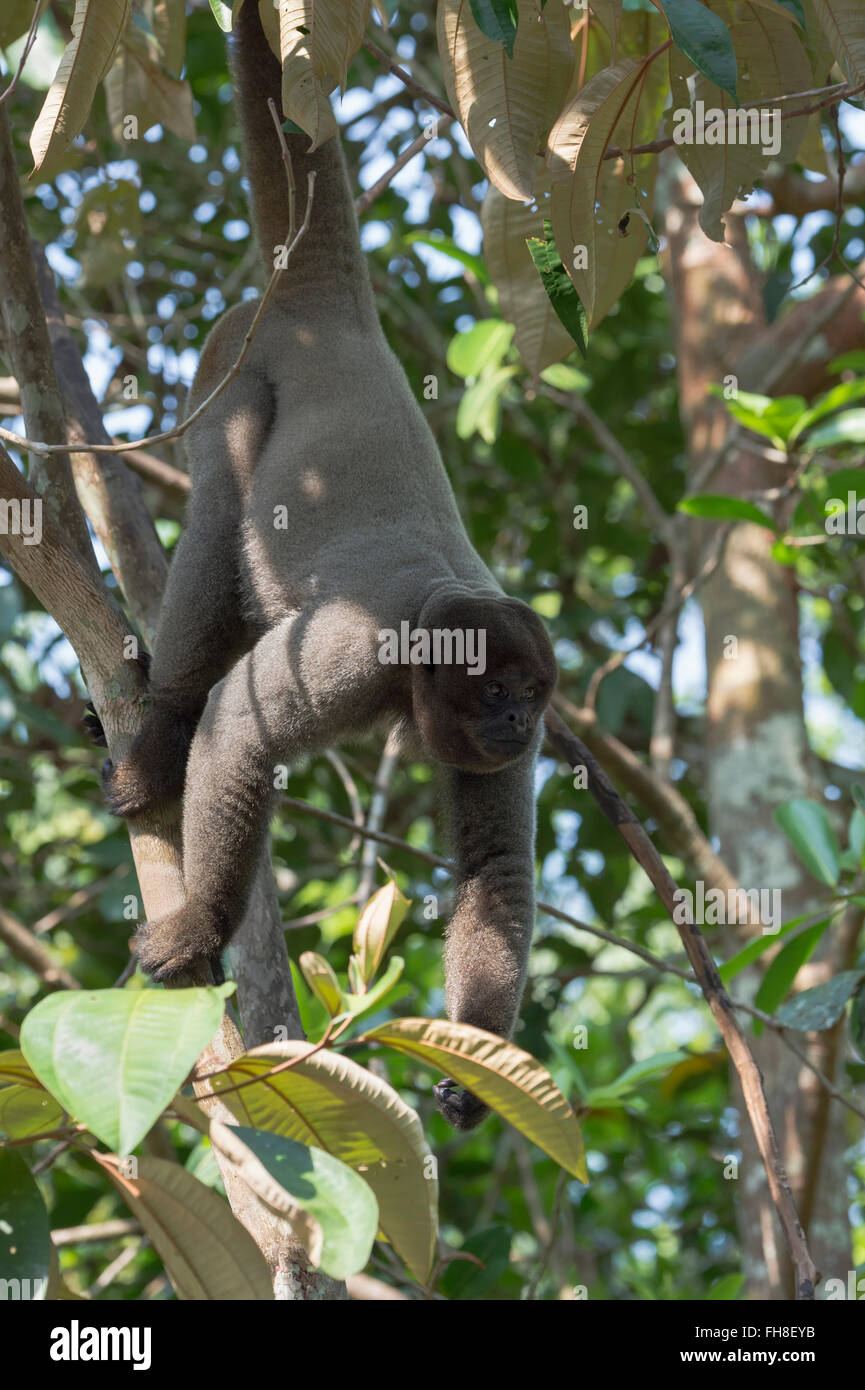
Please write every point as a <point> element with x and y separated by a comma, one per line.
<point>481,722</point>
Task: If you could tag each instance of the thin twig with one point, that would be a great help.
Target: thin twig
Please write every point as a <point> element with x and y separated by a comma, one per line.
<point>632,832</point>
<point>408,81</point>
<point>25,52</point>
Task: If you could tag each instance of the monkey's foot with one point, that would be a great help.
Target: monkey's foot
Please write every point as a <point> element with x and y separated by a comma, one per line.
<point>460,1108</point>
<point>192,936</point>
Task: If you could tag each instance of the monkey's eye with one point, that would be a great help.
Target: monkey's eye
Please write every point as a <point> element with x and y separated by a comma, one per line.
<point>495,689</point>
<point>529,693</point>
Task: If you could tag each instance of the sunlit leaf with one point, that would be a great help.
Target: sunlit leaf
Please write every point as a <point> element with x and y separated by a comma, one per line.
<point>288,1175</point>
<point>115,1057</point>
<point>507,1079</point>
<point>330,1101</point>
<point>506,105</point>
<point>96,29</point>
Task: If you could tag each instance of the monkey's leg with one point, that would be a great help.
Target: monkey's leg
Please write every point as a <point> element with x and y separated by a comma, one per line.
<point>201,627</point>
<point>259,717</point>
<point>492,819</point>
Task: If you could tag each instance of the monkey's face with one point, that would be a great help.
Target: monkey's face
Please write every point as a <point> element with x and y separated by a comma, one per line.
<point>483,712</point>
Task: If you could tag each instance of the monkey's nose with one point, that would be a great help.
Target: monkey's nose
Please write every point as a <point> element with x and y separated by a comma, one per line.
<point>520,720</point>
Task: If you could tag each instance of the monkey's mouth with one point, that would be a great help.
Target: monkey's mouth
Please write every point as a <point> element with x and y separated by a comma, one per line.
<point>507,747</point>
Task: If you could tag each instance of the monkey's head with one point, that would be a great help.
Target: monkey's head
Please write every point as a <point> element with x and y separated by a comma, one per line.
<point>478,699</point>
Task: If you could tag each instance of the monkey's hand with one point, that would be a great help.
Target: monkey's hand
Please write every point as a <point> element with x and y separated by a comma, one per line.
<point>155,767</point>
<point>190,937</point>
<point>460,1108</point>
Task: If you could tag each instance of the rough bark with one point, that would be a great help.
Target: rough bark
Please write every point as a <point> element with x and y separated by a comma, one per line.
<point>757,745</point>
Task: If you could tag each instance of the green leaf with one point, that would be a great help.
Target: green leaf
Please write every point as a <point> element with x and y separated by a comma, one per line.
<point>463,1279</point>
<point>565,378</point>
<point>658,1065</point>
<point>357,1004</point>
<point>322,981</point>
<point>703,38</point>
<point>25,1231</point>
<point>727,1288</point>
<point>376,928</point>
<point>840,395</point>
<point>480,347</point>
<point>822,1006</point>
<point>497,19</point>
<point>809,830</point>
<point>559,287</point>
<point>446,246</point>
<point>847,428</point>
<point>328,1100</point>
<point>776,983</point>
<point>754,949</point>
<point>114,1057</point>
<point>856,834</point>
<point>857,1021</point>
<point>222,14</point>
<point>858,793</point>
<point>480,408</point>
<point>714,507</point>
<point>339,1200</point>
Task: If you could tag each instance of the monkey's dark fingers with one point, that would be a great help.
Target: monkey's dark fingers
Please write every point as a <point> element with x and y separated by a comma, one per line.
<point>93,726</point>
<point>461,1109</point>
<point>187,938</point>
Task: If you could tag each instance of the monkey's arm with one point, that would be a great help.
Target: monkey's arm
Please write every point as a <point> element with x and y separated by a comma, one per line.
<point>492,821</point>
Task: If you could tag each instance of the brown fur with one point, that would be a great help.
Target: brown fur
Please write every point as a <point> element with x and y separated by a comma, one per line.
<point>268,639</point>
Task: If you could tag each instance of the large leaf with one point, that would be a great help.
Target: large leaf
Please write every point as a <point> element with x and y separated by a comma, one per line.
<point>25,1231</point>
<point>771,62</point>
<point>463,1279</point>
<point>137,86</point>
<point>96,29</point>
<point>809,830</point>
<point>498,19</point>
<point>754,949</point>
<point>506,105</point>
<point>341,1204</point>
<point>328,1100</point>
<point>822,1006</point>
<point>316,41</point>
<point>28,1111</point>
<point>207,1254</point>
<point>779,977</point>
<point>705,39</point>
<point>509,1080</point>
<point>115,1057</point>
<point>843,23</point>
<point>562,297</point>
<point>540,337</point>
<point>599,235</point>
<point>15,17</point>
